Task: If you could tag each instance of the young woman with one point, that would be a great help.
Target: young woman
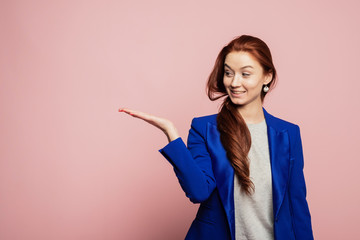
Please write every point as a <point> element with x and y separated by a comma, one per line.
<point>243,165</point>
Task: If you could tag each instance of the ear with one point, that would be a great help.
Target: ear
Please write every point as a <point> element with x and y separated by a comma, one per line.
<point>268,77</point>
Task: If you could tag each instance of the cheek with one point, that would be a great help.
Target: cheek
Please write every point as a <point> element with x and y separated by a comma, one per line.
<point>254,84</point>
<point>226,82</point>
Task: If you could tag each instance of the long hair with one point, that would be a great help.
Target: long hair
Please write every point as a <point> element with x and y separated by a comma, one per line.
<point>234,133</point>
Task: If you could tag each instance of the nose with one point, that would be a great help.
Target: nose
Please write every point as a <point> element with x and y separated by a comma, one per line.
<point>236,81</point>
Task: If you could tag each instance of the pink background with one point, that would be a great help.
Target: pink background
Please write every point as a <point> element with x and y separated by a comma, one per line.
<point>73,167</point>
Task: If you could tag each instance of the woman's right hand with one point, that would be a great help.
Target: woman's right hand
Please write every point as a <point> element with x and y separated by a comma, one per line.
<point>164,124</point>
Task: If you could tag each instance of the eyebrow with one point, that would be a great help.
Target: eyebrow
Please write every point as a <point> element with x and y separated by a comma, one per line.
<point>240,68</point>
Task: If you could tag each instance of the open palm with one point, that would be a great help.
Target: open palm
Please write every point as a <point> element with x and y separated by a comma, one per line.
<point>162,123</point>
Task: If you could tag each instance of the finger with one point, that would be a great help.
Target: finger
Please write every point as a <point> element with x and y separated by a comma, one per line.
<point>134,113</point>
<point>125,110</point>
<point>141,115</point>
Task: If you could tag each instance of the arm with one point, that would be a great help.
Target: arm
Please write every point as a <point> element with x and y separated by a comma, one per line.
<point>192,164</point>
<point>300,208</point>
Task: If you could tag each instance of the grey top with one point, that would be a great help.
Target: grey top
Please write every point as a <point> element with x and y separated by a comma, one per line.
<point>254,214</point>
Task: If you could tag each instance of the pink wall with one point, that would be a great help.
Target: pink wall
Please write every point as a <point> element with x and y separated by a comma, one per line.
<point>72,167</point>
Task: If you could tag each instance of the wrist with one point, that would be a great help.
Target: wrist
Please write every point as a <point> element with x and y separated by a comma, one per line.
<point>171,134</point>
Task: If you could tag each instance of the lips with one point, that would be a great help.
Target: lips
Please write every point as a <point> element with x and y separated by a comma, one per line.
<point>237,93</point>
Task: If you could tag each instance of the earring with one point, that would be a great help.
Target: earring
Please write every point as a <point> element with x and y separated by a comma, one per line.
<point>266,88</point>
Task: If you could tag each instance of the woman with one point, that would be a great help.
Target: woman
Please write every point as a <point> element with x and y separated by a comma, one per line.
<point>243,165</point>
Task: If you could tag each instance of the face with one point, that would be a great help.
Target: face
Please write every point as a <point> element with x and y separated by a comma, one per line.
<point>244,79</point>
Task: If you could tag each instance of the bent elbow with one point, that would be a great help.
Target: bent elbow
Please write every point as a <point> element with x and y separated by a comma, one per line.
<point>199,196</point>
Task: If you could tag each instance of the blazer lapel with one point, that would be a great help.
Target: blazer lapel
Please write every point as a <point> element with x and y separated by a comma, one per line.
<point>279,149</point>
<point>223,172</point>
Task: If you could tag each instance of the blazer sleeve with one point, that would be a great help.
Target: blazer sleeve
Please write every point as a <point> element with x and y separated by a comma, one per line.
<point>192,164</point>
<point>300,208</point>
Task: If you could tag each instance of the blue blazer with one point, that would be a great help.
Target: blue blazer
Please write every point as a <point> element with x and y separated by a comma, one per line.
<point>207,177</point>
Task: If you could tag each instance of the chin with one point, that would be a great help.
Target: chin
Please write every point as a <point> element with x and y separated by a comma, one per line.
<point>238,102</point>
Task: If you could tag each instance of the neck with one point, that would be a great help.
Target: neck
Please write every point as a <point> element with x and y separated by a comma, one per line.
<point>252,114</point>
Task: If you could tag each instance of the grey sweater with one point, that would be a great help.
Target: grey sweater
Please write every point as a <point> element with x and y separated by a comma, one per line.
<point>254,215</point>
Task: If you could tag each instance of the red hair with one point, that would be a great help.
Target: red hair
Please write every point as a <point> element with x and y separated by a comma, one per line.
<point>234,133</point>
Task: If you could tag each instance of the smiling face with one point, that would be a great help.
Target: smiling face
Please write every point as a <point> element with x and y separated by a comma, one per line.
<point>244,79</point>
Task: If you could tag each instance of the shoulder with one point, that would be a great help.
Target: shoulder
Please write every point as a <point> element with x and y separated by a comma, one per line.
<point>291,128</point>
<point>199,124</point>
<point>204,119</point>
<point>281,124</point>
<point>285,124</point>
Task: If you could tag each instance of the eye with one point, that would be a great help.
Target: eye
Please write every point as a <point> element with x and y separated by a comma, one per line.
<point>227,73</point>
<point>246,74</point>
